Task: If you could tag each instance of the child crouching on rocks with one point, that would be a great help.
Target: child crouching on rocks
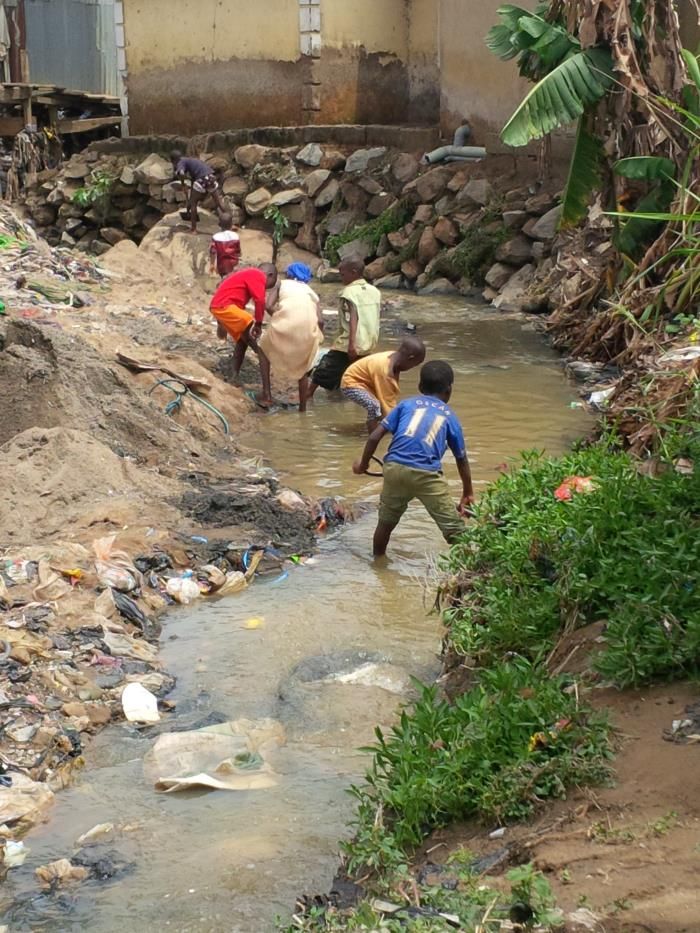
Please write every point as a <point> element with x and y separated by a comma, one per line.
<point>423,427</point>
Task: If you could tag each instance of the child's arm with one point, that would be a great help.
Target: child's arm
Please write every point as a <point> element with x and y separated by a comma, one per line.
<point>212,257</point>
<point>465,474</point>
<point>362,465</point>
<point>352,337</point>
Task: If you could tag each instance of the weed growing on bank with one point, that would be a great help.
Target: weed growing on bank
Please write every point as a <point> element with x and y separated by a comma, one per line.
<point>470,905</point>
<point>624,551</point>
<point>519,737</point>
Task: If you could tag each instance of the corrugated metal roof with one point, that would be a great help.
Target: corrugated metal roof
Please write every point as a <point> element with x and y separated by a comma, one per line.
<point>72,43</point>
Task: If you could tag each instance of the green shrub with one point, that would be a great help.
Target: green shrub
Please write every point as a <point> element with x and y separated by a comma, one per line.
<point>478,757</point>
<point>393,218</point>
<point>626,554</point>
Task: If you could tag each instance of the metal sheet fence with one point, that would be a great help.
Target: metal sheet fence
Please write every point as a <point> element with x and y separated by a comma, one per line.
<point>72,43</point>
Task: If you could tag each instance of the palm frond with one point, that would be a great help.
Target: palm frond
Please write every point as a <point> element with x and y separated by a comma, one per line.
<point>560,97</point>
<point>584,175</point>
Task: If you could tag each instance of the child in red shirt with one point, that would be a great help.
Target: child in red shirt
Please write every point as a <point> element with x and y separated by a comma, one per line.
<point>225,249</point>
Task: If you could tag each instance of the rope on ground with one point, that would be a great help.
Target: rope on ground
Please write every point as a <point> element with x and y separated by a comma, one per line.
<point>181,391</point>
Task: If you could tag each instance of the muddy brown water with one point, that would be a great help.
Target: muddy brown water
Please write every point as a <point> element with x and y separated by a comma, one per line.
<point>232,861</point>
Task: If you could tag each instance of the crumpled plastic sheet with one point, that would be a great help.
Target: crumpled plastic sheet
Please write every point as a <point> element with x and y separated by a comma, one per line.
<point>24,800</point>
<point>229,756</point>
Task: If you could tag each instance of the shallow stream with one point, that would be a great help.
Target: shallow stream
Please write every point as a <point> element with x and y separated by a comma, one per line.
<point>231,861</point>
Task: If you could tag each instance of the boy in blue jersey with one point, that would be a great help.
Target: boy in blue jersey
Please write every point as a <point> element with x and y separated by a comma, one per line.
<point>423,427</point>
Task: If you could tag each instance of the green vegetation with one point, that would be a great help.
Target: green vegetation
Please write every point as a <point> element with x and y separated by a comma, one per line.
<point>476,906</point>
<point>626,554</point>
<point>390,220</point>
<point>96,193</point>
<point>556,544</point>
<point>515,739</point>
<point>474,255</point>
<point>280,225</point>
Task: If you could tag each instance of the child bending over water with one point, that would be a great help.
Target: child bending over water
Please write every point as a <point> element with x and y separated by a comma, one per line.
<point>423,427</point>
<point>373,381</point>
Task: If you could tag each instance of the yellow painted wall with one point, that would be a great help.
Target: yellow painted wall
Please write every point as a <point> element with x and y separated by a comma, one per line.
<point>163,33</point>
<point>475,84</point>
<point>378,25</point>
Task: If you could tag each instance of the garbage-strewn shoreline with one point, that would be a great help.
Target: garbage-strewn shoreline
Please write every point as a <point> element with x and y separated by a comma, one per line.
<point>113,510</point>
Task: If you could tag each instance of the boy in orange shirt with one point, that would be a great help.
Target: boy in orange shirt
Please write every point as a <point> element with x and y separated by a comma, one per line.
<point>373,381</point>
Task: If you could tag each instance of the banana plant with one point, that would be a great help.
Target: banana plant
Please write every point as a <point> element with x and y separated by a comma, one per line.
<point>570,82</point>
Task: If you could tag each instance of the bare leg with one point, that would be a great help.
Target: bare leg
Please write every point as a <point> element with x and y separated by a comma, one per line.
<point>382,535</point>
<point>303,393</point>
<point>195,198</point>
<point>219,202</point>
<point>374,423</point>
<point>311,388</point>
<point>266,398</point>
<point>239,356</point>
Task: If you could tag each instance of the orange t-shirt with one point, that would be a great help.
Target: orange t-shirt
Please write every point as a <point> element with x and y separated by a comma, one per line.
<point>372,373</point>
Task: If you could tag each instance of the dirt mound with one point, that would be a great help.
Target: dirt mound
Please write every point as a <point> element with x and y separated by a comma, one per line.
<point>59,477</point>
<point>59,380</point>
<point>187,254</point>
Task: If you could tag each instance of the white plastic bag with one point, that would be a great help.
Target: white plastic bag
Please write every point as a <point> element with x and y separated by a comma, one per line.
<point>114,568</point>
<point>139,704</point>
<point>183,589</point>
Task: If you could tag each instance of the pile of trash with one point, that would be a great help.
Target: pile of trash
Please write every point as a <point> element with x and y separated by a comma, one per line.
<point>78,649</point>
<point>41,277</point>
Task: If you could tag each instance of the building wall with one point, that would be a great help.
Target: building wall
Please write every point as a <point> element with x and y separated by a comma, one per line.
<point>221,64</point>
<point>212,64</point>
<point>475,85</point>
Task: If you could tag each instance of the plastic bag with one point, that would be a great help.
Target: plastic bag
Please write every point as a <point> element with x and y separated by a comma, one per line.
<point>139,704</point>
<point>114,568</point>
<point>183,589</point>
<point>235,582</point>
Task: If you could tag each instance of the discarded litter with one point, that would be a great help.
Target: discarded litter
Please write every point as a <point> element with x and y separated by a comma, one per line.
<point>15,854</point>
<point>183,589</point>
<point>59,873</point>
<point>139,704</point>
<point>114,568</point>
<point>25,800</point>
<point>229,756</point>
<point>97,832</point>
<point>253,623</point>
<point>498,833</point>
<point>574,484</point>
<point>601,398</point>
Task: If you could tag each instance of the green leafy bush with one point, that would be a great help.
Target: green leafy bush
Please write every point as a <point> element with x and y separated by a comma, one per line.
<point>512,741</point>
<point>393,218</point>
<point>626,554</point>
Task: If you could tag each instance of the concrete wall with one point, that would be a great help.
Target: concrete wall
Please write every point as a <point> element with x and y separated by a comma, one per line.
<point>220,64</point>
<point>212,64</point>
<point>475,84</point>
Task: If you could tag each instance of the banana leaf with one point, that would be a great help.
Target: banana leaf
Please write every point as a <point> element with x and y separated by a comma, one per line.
<point>584,175</point>
<point>560,97</point>
<point>646,168</point>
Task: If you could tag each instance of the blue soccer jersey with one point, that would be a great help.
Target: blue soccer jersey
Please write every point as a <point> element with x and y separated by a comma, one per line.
<point>423,429</point>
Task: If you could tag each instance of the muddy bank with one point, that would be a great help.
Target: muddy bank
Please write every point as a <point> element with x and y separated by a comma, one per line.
<point>110,502</point>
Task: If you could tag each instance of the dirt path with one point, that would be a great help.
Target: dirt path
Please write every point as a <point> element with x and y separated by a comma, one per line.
<point>627,855</point>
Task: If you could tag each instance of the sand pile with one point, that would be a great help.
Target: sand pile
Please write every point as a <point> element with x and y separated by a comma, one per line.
<point>59,477</point>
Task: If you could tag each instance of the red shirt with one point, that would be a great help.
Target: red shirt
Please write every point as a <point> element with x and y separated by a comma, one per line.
<point>239,288</point>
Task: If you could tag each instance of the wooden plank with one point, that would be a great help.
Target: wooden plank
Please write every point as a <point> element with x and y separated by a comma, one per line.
<point>13,95</point>
<point>84,126</point>
<point>11,126</point>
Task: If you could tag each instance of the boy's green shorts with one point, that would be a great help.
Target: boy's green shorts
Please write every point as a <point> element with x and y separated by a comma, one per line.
<point>402,484</point>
